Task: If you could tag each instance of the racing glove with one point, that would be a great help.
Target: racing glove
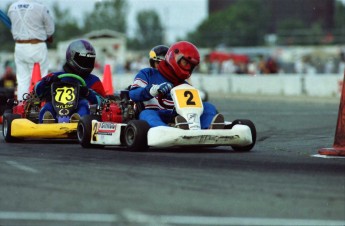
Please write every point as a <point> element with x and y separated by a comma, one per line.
<point>48,80</point>
<point>84,91</point>
<point>163,88</point>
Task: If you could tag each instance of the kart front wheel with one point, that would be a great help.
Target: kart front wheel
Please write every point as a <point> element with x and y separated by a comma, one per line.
<point>84,130</point>
<point>135,136</point>
<point>6,127</point>
<point>251,125</point>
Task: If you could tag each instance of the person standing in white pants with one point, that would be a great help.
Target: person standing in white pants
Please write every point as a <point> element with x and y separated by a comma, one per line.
<point>32,27</point>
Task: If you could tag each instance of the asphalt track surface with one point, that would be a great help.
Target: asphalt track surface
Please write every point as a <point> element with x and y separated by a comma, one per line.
<point>279,182</point>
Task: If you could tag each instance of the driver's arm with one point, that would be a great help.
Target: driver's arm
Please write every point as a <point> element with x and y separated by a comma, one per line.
<point>93,97</point>
<point>96,93</point>
<point>138,94</point>
<point>42,87</point>
<point>140,89</point>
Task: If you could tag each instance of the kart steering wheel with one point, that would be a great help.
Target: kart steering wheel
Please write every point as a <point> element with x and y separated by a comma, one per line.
<point>77,77</point>
<point>161,102</point>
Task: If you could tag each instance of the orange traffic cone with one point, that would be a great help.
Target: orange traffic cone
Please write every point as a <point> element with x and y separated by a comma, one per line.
<point>107,80</point>
<point>36,76</point>
<point>339,138</point>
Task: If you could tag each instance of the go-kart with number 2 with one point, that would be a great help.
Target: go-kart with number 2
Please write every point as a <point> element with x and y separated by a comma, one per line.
<point>136,135</point>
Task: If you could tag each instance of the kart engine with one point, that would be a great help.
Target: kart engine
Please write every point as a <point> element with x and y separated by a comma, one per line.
<point>32,108</point>
<point>117,108</point>
<point>28,108</point>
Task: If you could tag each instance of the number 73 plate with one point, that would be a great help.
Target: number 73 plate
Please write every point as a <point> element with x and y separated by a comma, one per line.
<point>65,95</point>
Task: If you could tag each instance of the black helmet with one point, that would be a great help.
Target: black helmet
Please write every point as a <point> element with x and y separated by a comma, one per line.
<point>80,57</point>
<point>157,53</point>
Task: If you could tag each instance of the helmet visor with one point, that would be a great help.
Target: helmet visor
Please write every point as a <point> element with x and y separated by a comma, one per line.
<point>159,58</point>
<point>186,64</point>
<point>85,60</point>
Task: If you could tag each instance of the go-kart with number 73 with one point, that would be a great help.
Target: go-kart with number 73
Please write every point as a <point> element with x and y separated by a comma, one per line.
<point>137,135</point>
<point>21,120</point>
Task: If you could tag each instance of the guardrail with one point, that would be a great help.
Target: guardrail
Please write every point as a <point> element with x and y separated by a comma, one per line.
<point>318,85</point>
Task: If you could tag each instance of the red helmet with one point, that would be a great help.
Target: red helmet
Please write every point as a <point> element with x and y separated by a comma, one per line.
<point>183,57</point>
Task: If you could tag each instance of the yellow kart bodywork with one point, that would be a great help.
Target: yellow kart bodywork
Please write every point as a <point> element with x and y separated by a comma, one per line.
<point>24,128</point>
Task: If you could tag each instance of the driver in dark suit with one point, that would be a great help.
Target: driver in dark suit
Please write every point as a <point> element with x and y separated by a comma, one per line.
<point>80,60</point>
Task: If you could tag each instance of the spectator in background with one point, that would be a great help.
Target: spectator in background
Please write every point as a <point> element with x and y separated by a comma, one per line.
<point>252,68</point>
<point>242,68</point>
<point>32,27</point>
<point>262,65</point>
<point>329,66</point>
<point>271,66</point>
<point>7,87</point>
<point>8,80</point>
<point>299,66</point>
<point>215,67</point>
<point>228,67</point>
<point>204,66</point>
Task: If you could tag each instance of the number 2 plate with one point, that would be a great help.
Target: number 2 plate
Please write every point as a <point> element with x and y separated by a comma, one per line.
<point>188,98</point>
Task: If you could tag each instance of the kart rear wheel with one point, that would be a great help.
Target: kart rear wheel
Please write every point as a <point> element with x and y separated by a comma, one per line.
<point>251,125</point>
<point>6,127</point>
<point>84,130</point>
<point>135,136</point>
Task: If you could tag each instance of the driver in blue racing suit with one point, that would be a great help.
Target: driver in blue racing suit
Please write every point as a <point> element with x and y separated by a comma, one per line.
<point>80,60</point>
<point>180,60</point>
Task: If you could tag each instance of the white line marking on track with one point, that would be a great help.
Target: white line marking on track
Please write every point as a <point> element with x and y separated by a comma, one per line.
<point>328,156</point>
<point>48,216</point>
<point>21,167</point>
<point>137,217</point>
<point>189,220</point>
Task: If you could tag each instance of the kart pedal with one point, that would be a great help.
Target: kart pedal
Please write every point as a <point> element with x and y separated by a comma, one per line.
<point>75,117</point>
<point>217,122</point>
<point>181,122</point>
<point>48,118</point>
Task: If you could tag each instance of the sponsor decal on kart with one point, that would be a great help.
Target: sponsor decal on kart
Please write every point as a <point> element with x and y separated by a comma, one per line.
<point>191,117</point>
<point>105,133</point>
<point>106,127</point>
<point>64,111</point>
<point>102,128</point>
<point>210,139</point>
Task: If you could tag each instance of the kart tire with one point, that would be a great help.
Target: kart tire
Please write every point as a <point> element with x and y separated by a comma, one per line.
<point>135,136</point>
<point>84,130</point>
<point>251,125</point>
<point>6,127</point>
